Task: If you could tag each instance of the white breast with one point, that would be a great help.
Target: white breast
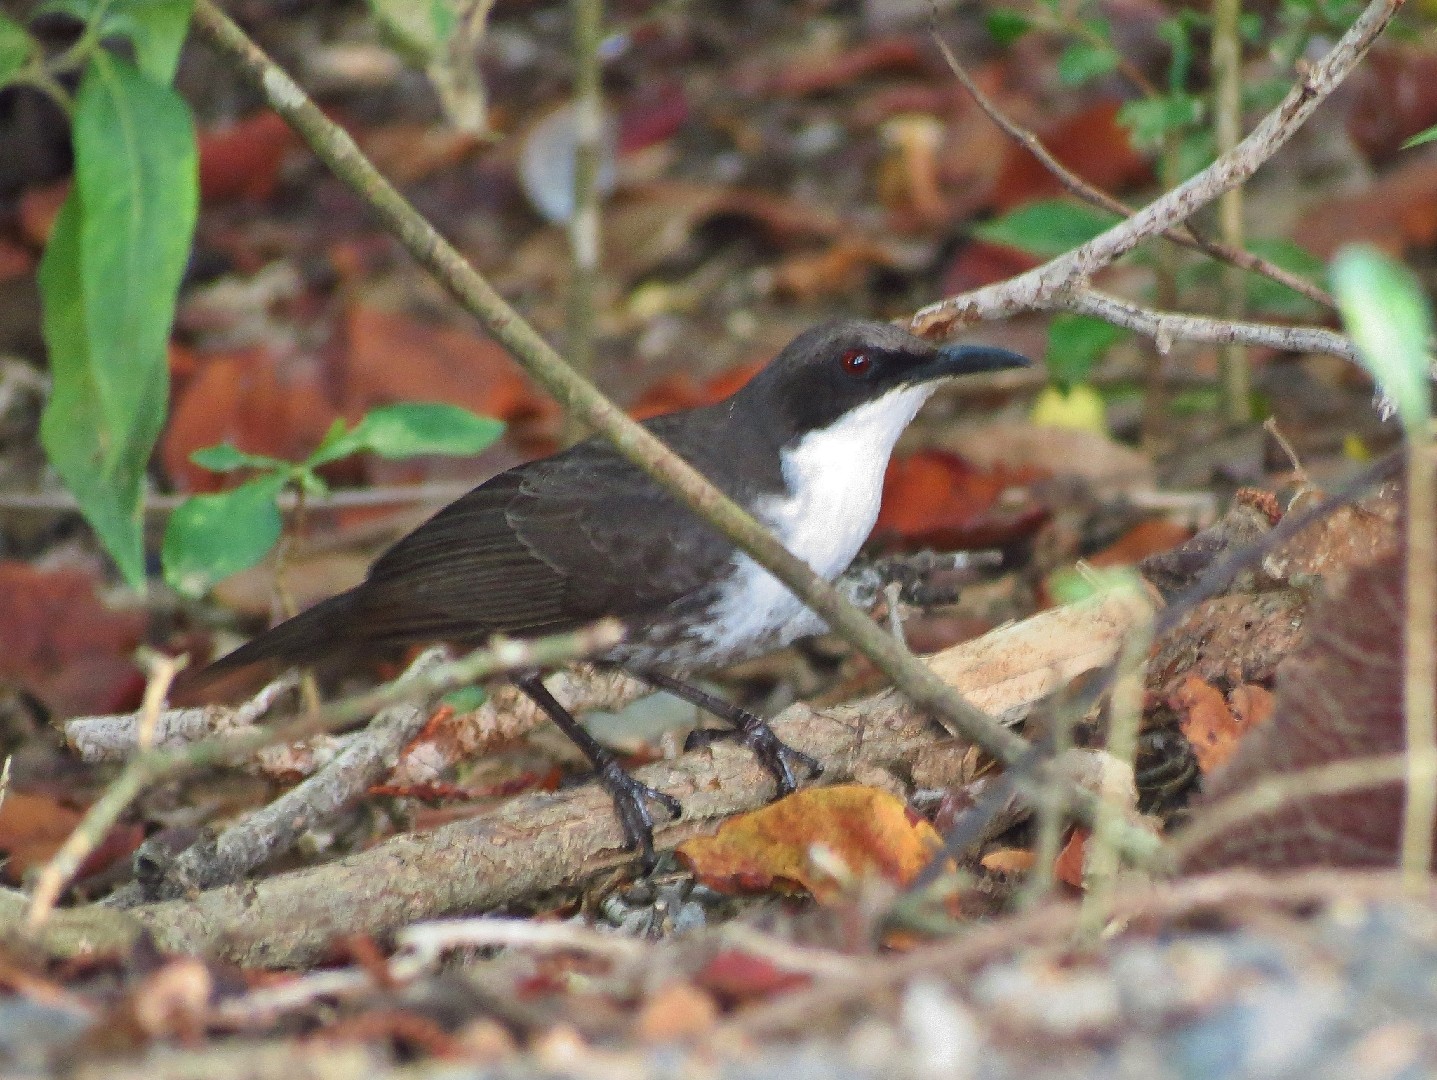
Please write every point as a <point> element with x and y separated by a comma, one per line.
<point>835,482</point>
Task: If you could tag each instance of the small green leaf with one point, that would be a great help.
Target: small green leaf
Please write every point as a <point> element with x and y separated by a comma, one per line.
<point>156,28</point>
<point>1430,135</point>
<point>16,48</point>
<point>1006,26</point>
<point>1075,345</point>
<point>1151,119</point>
<point>209,537</point>
<point>410,428</point>
<point>226,457</point>
<point>1083,61</point>
<point>1045,228</point>
<point>1390,321</point>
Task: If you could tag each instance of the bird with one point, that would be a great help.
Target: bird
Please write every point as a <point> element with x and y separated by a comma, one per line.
<point>554,544</point>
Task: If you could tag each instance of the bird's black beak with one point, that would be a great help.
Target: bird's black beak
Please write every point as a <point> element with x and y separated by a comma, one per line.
<point>971,359</point>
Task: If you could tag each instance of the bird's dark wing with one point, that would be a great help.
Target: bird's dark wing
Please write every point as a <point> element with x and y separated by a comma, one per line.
<point>542,548</point>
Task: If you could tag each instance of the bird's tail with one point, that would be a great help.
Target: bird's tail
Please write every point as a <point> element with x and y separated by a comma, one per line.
<point>313,635</point>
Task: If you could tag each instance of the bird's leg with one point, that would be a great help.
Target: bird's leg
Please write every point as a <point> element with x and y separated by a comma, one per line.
<point>630,797</point>
<point>773,753</point>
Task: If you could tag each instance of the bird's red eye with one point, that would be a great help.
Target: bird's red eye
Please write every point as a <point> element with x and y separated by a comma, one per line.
<point>855,362</point>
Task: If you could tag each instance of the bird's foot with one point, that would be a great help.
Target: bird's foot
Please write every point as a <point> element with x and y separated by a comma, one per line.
<point>772,753</point>
<point>631,803</point>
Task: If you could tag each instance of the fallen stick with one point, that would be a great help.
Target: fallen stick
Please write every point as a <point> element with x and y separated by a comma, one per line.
<point>541,841</point>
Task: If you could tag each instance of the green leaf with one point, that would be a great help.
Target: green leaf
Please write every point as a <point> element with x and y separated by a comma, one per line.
<point>108,283</point>
<point>1267,296</point>
<point>1083,61</point>
<point>410,428</point>
<point>209,537</point>
<point>16,48</point>
<point>103,467</point>
<point>226,457</point>
<point>1006,26</point>
<point>1151,119</point>
<point>1390,321</point>
<point>136,173</point>
<point>156,28</point>
<point>1430,135</point>
<point>1045,228</point>
<point>1075,345</point>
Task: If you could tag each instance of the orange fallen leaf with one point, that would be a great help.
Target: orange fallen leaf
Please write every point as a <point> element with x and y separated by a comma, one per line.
<point>675,392</point>
<point>1143,539</point>
<point>677,1012</point>
<point>1206,721</point>
<point>32,828</point>
<point>1068,867</point>
<point>1007,861</point>
<point>871,831</point>
<point>1251,705</point>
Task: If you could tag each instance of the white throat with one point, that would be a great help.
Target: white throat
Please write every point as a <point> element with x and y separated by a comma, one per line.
<point>834,478</point>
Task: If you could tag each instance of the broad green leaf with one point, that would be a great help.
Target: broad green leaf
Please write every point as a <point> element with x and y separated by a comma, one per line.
<point>136,175</point>
<point>16,48</point>
<point>1075,345</point>
<point>209,537</point>
<point>1083,61</point>
<point>1430,135</point>
<point>103,466</point>
<point>410,428</point>
<point>226,457</point>
<point>156,28</point>
<point>1390,321</point>
<point>1006,26</point>
<point>1045,228</point>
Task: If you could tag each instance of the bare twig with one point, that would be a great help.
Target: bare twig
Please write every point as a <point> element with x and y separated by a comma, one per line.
<point>1419,661</point>
<point>1182,234</point>
<point>151,765</point>
<point>1043,287</point>
<point>1166,327</point>
<point>584,224</point>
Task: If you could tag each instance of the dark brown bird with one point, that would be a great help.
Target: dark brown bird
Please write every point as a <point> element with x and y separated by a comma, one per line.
<point>554,544</point>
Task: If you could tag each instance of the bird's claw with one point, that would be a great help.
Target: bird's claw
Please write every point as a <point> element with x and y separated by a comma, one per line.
<point>631,800</point>
<point>772,753</point>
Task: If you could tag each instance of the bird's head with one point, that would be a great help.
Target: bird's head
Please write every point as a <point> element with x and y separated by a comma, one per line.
<point>851,366</point>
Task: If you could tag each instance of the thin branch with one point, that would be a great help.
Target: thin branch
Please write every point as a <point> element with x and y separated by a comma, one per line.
<point>1036,289</point>
<point>1182,234</point>
<point>1166,327</point>
<point>147,767</point>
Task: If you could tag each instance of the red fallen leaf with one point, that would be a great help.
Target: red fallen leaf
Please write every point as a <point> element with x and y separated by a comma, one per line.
<point>936,499</point>
<point>1394,96</point>
<point>656,112</point>
<point>393,357</point>
<point>883,56</point>
<point>1144,539</point>
<point>242,160</point>
<point>1206,721</point>
<point>1396,213</point>
<point>15,261</point>
<point>38,207</point>
<point>980,263</point>
<point>1068,867</point>
<point>1339,698</point>
<point>868,829</point>
<point>32,828</point>
<point>1091,143</point>
<point>677,392</point>
<point>262,403</point>
<point>64,645</point>
<point>736,977</point>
